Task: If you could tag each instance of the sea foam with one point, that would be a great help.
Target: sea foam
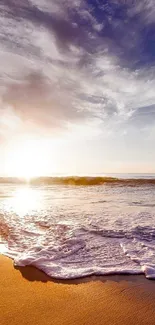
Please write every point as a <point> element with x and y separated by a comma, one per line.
<point>70,232</point>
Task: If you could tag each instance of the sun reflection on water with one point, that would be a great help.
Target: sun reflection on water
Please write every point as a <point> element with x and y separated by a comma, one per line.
<point>24,201</point>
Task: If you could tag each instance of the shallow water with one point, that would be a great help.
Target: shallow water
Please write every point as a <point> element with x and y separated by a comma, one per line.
<point>72,231</point>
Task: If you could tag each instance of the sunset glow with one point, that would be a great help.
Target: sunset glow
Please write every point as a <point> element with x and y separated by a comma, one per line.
<point>83,73</point>
<point>27,159</point>
<point>77,162</point>
<point>24,200</point>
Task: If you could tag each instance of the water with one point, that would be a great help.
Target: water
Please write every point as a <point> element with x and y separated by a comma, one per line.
<point>71,231</point>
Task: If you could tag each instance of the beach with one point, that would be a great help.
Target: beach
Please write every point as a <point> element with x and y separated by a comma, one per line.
<point>28,296</point>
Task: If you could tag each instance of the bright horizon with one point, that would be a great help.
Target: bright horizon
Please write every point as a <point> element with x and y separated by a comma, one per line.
<point>35,157</point>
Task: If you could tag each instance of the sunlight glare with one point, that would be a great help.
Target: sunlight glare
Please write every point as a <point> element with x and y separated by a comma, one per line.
<point>25,200</point>
<point>27,159</point>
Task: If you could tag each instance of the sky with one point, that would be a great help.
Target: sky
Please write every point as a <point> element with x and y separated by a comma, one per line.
<point>77,86</point>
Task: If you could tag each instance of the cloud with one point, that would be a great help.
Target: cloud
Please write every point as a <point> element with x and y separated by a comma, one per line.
<point>143,117</point>
<point>75,62</point>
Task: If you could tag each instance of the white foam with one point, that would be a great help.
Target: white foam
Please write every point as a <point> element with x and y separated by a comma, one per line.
<point>149,271</point>
<point>82,231</point>
<point>83,254</point>
<point>143,253</point>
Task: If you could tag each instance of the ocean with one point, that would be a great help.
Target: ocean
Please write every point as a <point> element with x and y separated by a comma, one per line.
<point>71,227</point>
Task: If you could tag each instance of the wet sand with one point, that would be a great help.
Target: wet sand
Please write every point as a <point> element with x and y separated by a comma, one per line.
<point>28,296</point>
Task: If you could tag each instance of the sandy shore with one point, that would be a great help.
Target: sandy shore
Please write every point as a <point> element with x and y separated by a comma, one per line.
<point>27,296</point>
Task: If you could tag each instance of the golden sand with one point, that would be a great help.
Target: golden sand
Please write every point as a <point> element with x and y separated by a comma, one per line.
<point>28,296</point>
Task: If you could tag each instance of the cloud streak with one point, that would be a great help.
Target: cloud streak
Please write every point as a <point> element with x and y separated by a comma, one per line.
<point>75,62</point>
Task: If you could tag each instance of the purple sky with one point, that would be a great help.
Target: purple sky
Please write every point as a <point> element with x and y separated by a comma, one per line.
<point>79,77</point>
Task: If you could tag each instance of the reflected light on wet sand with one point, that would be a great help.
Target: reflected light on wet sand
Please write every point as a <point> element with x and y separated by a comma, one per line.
<point>24,201</point>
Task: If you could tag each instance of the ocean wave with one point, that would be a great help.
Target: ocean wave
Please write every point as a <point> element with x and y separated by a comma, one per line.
<point>83,251</point>
<point>79,237</point>
<point>81,181</point>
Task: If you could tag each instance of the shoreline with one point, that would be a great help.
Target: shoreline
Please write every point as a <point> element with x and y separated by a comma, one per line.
<point>28,296</point>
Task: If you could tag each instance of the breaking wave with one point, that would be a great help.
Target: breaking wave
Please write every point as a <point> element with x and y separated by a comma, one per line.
<point>70,232</point>
<point>82,181</point>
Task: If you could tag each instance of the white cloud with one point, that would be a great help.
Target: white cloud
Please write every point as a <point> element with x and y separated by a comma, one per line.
<point>56,70</point>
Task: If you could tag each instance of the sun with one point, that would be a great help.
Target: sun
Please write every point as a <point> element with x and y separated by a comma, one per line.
<point>27,159</point>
